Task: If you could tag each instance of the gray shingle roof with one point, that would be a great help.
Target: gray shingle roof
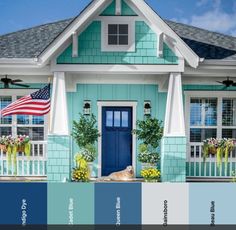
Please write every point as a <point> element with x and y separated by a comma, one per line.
<point>31,42</point>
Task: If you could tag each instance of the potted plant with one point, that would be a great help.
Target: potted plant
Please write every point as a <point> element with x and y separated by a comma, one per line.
<point>150,132</point>
<point>219,147</point>
<point>12,145</point>
<point>81,172</point>
<point>233,176</point>
<point>151,174</point>
<point>85,133</point>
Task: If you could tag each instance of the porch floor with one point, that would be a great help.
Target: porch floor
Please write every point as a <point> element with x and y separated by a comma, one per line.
<point>23,179</point>
<point>209,179</point>
<point>106,180</point>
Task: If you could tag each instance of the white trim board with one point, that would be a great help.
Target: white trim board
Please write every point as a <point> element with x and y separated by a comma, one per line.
<point>101,104</point>
<point>73,79</point>
<point>116,69</point>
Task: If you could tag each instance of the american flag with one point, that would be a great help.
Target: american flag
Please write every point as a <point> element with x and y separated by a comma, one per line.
<point>37,103</point>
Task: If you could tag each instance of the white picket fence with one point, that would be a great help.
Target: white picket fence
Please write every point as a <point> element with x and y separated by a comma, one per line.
<point>196,167</point>
<point>34,165</point>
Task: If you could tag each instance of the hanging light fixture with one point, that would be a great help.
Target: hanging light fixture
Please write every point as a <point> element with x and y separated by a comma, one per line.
<point>87,108</point>
<point>147,108</point>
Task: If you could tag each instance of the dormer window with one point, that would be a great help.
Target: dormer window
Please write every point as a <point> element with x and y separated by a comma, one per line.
<point>118,35</point>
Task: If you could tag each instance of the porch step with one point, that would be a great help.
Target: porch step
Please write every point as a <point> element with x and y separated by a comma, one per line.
<point>209,179</point>
<point>23,179</point>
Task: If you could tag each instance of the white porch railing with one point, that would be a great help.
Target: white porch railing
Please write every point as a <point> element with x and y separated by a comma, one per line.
<point>196,167</point>
<point>35,165</point>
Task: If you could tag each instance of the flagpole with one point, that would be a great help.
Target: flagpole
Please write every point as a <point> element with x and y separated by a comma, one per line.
<point>49,114</point>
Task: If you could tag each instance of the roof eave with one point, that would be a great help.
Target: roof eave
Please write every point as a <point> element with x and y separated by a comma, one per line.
<point>75,25</point>
<point>190,56</point>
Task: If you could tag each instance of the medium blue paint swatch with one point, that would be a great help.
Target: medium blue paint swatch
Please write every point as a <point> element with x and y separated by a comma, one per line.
<point>20,199</point>
<point>108,196</point>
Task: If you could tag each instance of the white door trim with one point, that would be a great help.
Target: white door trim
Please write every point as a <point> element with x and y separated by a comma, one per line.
<point>102,104</point>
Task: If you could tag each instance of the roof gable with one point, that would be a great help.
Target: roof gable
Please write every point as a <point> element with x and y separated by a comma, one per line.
<point>30,43</point>
<point>90,50</point>
<point>98,6</point>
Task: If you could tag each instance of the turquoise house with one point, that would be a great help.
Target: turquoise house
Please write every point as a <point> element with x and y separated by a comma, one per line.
<point>118,56</point>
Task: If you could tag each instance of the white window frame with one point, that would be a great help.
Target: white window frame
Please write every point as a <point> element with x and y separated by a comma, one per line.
<point>130,21</point>
<point>14,93</point>
<point>208,94</point>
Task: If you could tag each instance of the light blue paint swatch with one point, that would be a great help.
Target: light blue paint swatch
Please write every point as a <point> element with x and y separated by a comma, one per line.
<point>212,202</point>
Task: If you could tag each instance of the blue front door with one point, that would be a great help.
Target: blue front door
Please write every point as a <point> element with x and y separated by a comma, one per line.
<point>116,139</point>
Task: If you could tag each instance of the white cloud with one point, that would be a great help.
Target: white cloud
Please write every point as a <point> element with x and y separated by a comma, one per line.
<point>214,19</point>
<point>201,3</point>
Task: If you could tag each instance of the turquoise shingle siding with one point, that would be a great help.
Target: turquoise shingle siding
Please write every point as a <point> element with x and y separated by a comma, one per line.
<point>173,159</point>
<point>58,158</point>
<point>90,49</point>
<point>102,92</point>
<point>125,10</point>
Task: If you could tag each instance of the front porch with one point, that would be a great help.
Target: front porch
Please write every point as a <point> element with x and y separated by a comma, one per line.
<point>32,168</point>
<point>199,170</point>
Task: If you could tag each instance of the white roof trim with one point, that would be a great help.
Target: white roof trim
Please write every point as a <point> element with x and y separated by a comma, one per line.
<point>79,22</point>
<point>144,9</point>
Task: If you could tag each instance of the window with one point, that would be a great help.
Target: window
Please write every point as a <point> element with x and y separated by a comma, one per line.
<point>203,116</point>
<point>118,35</point>
<point>33,126</point>
<point>212,117</point>
<point>117,119</point>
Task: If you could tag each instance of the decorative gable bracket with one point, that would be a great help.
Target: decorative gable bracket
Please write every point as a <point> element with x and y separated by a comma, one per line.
<point>118,7</point>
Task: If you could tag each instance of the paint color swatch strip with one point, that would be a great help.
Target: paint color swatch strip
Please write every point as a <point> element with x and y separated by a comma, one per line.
<point>118,203</point>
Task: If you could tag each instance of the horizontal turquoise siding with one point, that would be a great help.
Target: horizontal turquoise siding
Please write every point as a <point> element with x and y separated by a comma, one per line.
<point>207,88</point>
<point>125,10</point>
<point>90,49</point>
<point>102,92</point>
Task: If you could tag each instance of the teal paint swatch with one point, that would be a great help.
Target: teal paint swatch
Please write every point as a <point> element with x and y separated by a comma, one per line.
<point>212,202</point>
<point>118,203</point>
<point>71,203</point>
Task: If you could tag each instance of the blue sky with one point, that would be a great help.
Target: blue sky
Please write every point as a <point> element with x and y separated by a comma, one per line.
<point>215,15</point>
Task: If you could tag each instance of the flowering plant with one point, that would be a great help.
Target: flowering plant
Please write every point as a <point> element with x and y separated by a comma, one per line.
<point>147,154</point>
<point>89,153</point>
<point>151,174</point>
<point>81,172</point>
<point>80,175</point>
<point>221,147</point>
<point>11,145</point>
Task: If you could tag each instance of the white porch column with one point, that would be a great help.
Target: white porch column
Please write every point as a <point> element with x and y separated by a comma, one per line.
<point>59,113</point>
<point>174,118</point>
<point>173,146</point>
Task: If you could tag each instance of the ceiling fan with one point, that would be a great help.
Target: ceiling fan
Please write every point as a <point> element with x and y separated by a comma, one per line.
<point>227,82</point>
<point>7,81</point>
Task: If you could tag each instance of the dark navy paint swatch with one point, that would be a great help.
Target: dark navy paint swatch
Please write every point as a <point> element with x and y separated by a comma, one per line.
<point>23,204</point>
<point>118,203</point>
